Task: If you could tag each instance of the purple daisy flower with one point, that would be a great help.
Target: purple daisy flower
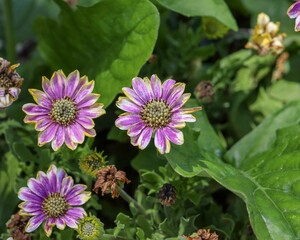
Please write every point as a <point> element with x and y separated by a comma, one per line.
<point>64,111</point>
<point>153,107</point>
<point>50,198</point>
<point>294,12</point>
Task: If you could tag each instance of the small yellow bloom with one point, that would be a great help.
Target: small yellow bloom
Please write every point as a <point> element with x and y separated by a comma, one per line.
<point>266,37</point>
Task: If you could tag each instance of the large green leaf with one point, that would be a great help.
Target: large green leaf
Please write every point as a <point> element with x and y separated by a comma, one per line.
<point>211,8</point>
<point>200,142</point>
<point>270,186</point>
<point>263,136</point>
<point>109,41</point>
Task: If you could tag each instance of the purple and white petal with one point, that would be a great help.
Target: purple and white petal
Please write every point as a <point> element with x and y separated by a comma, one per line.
<point>85,90</point>
<point>90,132</point>
<point>66,185</point>
<point>71,222</point>
<point>72,83</point>
<point>34,222</point>
<point>40,98</point>
<point>126,105</point>
<point>58,84</point>
<point>37,188</point>
<point>127,120</point>
<point>70,144</point>
<point>166,87</point>
<point>35,118</point>
<point>297,24</point>
<point>86,122</point>
<point>76,132</point>
<point>161,142</point>
<point>79,199</point>
<point>175,93</point>
<point>181,101</point>
<point>93,111</point>
<point>43,124</point>
<point>294,10</point>
<point>181,117</point>
<point>33,208</point>
<point>33,109</point>
<point>76,212</point>
<point>136,129</point>
<point>75,190</point>
<point>60,223</point>
<point>142,88</point>
<point>48,88</point>
<point>174,135</point>
<point>14,91</point>
<point>88,100</point>
<point>156,86</point>
<point>49,224</point>
<point>59,138</point>
<point>145,137</point>
<point>26,194</point>
<point>48,134</point>
<point>131,94</point>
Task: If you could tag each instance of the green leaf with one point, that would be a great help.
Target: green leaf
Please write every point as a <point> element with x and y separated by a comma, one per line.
<point>270,186</point>
<point>263,136</point>
<point>9,170</point>
<point>109,41</point>
<point>210,8</point>
<point>200,142</point>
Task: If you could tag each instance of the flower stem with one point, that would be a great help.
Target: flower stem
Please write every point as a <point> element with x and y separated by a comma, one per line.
<point>9,30</point>
<point>129,199</point>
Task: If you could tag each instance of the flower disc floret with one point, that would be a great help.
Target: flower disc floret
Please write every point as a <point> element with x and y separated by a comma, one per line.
<point>64,112</point>
<point>52,198</point>
<point>152,107</point>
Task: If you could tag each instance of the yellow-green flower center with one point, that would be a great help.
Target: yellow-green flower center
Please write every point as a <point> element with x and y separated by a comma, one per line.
<point>88,228</point>
<point>55,205</point>
<point>156,114</point>
<point>63,111</point>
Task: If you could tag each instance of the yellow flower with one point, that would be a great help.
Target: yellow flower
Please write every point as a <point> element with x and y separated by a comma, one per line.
<point>266,37</point>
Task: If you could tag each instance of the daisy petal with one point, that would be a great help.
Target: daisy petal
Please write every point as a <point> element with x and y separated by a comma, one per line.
<point>130,93</point>
<point>161,142</point>
<point>86,122</point>
<point>48,88</point>
<point>126,121</point>
<point>142,88</point>
<point>26,194</point>
<point>175,93</point>
<point>79,199</point>
<point>76,132</point>
<point>156,86</point>
<point>145,138</point>
<point>40,98</point>
<point>58,83</point>
<point>72,83</point>
<point>126,105</point>
<point>60,223</point>
<point>88,101</point>
<point>174,135</point>
<point>74,191</point>
<point>34,222</point>
<point>294,10</point>
<point>49,224</point>
<point>85,90</point>
<point>70,221</point>
<point>43,124</point>
<point>48,134</point>
<point>59,138</point>
<point>166,87</point>
<point>33,109</point>
<point>76,212</point>
<point>136,129</point>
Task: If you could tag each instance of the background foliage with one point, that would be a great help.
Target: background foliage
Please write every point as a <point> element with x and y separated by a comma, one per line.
<point>238,171</point>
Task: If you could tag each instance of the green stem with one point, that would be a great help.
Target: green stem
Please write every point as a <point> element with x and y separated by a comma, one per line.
<point>129,199</point>
<point>9,30</point>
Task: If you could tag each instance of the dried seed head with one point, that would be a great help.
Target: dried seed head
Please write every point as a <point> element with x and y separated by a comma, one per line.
<point>16,227</point>
<point>10,83</point>
<point>202,234</point>
<point>204,91</point>
<point>167,195</point>
<point>108,180</point>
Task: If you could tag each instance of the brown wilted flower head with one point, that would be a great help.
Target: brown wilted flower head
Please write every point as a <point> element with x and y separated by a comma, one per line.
<point>108,179</point>
<point>204,91</point>
<point>202,234</point>
<point>167,195</point>
<point>16,227</point>
<point>10,83</point>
